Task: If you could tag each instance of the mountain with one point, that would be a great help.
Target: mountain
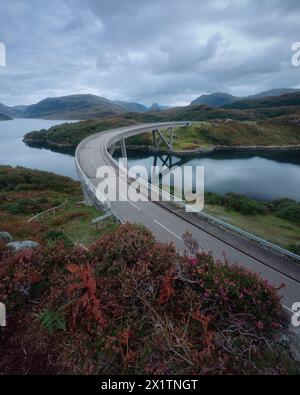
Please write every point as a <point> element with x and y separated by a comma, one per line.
<point>288,100</point>
<point>131,107</point>
<point>12,112</point>
<point>4,117</point>
<point>73,107</point>
<point>193,113</point>
<point>158,107</point>
<point>217,99</point>
<point>273,92</point>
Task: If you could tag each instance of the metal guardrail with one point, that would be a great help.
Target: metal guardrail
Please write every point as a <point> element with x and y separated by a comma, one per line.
<point>105,203</point>
<point>181,203</point>
<point>248,235</point>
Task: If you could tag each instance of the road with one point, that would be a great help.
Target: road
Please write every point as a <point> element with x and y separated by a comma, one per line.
<point>168,227</point>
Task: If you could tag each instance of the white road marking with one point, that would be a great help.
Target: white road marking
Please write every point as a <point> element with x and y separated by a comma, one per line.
<point>129,201</point>
<point>172,233</point>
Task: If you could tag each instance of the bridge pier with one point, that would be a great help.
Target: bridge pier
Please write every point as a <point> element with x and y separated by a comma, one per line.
<point>88,201</point>
<point>123,148</point>
<point>158,137</point>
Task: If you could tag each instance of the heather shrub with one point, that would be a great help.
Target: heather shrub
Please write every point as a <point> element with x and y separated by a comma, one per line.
<point>128,244</point>
<point>132,305</point>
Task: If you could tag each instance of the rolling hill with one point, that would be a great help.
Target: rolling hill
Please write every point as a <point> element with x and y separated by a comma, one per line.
<point>287,100</point>
<point>131,107</point>
<point>217,99</point>
<point>220,99</point>
<point>73,107</point>
<point>273,92</point>
<point>158,107</point>
<point>11,111</point>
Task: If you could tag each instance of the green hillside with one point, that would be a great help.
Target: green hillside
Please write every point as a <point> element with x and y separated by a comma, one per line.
<point>69,135</point>
<point>288,100</point>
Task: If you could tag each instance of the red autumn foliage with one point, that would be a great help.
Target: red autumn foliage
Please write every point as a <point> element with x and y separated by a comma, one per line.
<point>85,285</point>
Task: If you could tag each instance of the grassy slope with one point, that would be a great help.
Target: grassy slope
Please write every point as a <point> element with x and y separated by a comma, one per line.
<point>231,133</point>
<point>269,227</point>
<point>42,191</point>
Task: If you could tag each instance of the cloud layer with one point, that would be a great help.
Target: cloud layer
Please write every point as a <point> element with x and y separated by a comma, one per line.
<point>169,51</point>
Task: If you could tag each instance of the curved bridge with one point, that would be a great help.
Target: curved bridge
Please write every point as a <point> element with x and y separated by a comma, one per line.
<point>169,222</point>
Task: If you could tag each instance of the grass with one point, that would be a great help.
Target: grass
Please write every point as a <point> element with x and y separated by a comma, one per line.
<point>76,223</point>
<point>228,133</point>
<point>25,192</point>
<point>269,227</point>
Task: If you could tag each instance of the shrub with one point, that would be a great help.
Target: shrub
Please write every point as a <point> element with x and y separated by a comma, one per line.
<point>57,235</point>
<point>213,198</point>
<point>131,305</point>
<point>132,241</point>
<point>244,205</point>
<point>291,213</point>
<point>280,204</point>
<point>23,206</point>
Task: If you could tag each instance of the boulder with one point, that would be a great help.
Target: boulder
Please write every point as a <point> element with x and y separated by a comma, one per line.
<point>22,245</point>
<point>6,237</point>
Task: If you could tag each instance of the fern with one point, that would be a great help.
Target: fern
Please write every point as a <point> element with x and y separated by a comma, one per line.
<point>52,321</point>
<point>88,300</point>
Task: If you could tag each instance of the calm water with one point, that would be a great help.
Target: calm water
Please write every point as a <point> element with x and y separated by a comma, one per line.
<point>14,152</point>
<point>261,176</point>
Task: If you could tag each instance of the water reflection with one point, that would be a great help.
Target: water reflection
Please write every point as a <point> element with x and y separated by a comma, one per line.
<point>259,175</point>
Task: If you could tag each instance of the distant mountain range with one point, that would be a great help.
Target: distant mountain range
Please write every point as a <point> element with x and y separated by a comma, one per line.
<point>220,99</point>
<point>76,107</point>
<point>91,106</point>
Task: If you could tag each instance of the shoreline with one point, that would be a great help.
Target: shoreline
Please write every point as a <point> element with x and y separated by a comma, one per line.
<point>216,148</point>
<point>201,150</point>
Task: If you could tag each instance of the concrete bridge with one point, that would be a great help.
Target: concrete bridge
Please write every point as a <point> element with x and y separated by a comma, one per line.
<point>169,222</point>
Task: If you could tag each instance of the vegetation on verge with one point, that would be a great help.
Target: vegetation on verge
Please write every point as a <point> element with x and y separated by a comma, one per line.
<point>277,221</point>
<point>26,192</point>
<point>137,306</point>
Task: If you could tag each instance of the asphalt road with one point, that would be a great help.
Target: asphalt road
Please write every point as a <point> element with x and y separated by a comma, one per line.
<point>167,227</point>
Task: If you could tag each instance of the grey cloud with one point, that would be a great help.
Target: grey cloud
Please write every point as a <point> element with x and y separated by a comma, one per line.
<point>161,50</point>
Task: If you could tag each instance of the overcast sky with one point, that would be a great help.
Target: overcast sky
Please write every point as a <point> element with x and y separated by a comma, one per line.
<point>168,51</point>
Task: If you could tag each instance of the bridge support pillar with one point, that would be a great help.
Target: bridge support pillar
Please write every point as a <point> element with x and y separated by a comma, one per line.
<point>87,199</point>
<point>123,148</point>
<point>158,137</point>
